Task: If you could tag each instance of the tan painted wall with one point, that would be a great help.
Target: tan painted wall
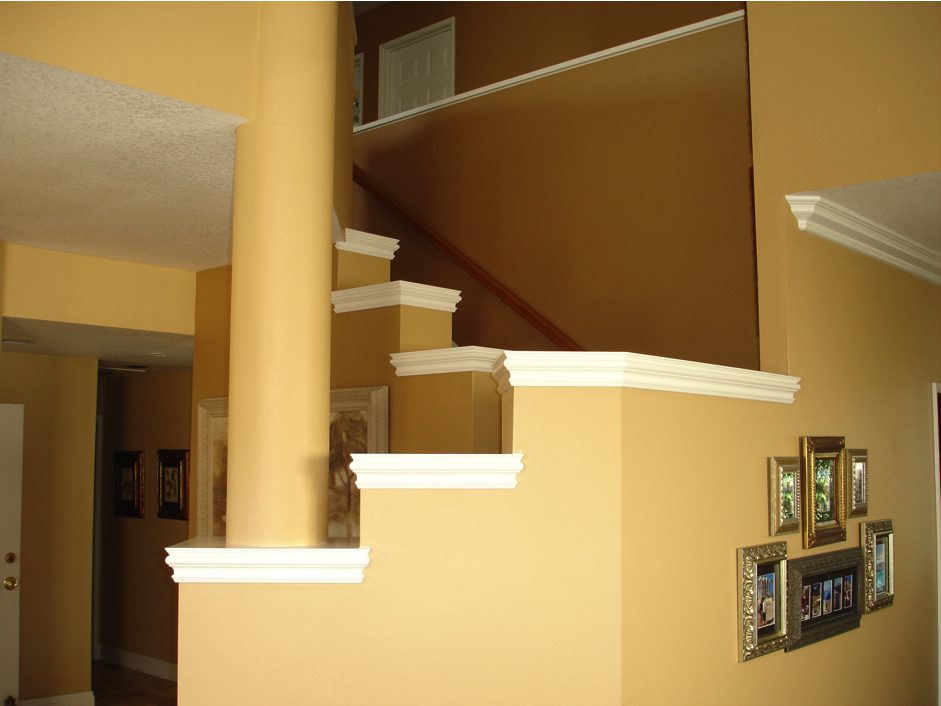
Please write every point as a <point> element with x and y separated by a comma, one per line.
<point>197,52</point>
<point>51,285</point>
<point>615,198</point>
<point>56,543</point>
<point>498,40</point>
<point>138,597</point>
<point>343,117</point>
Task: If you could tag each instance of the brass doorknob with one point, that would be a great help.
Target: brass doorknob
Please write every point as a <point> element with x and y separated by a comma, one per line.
<point>10,582</point>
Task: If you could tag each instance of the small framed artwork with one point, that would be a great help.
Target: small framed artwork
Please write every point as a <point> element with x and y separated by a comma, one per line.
<point>172,467</point>
<point>877,540</point>
<point>129,483</point>
<point>784,494</point>
<point>857,482</point>
<point>823,477</point>
<point>823,596</point>
<point>762,599</point>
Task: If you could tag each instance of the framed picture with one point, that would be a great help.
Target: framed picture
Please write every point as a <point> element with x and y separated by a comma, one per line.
<point>823,596</point>
<point>762,599</point>
<point>877,542</point>
<point>359,422</point>
<point>172,478</point>
<point>823,463</point>
<point>857,482</point>
<point>212,454</point>
<point>784,494</point>
<point>129,483</point>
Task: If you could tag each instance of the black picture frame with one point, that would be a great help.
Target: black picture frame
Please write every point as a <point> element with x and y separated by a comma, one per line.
<point>172,483</point>
<point>129,484</point>
<point>814,611</point>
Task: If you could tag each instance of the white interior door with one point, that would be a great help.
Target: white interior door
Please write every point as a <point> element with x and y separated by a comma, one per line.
<point>416,69</point>
<point>11,485</point>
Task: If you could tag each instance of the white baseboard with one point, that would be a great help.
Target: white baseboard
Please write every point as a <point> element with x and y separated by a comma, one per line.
<point>139,663</point>
<point>83,699</point>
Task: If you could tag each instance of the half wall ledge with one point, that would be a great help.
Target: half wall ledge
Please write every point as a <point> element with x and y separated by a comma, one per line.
<point>647,372</point>
<point>209,560</point>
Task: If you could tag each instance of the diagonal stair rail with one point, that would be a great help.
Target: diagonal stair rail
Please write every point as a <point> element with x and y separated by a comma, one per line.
<point>468,264</point>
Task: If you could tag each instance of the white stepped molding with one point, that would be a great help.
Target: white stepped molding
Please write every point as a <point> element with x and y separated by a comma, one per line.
<point>590,369</point>
<point>461,359</point>
<point>209,560</point>
<point>836,223</point>
<point>436,471</point>
<point>358,241</point>
<point>398,293</point>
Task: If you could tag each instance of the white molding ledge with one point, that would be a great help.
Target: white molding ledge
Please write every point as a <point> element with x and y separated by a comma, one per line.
<point>84,698</point>
<point>829,220</point>
<point>461,359</point>
<point>358,241</point>
<point>209,560</point>
<point>436,471</point>
<point>590,369</point>
<point>398,293</point>
<point>637,45</point>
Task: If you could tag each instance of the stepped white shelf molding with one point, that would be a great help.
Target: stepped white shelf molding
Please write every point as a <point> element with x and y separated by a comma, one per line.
<point>826,219</point>
<point>209,560</point>
<point>398,293</point>
<point>461,359</point>
<point>358,241</point>
<point>437,471</point>
<point>648,372</point>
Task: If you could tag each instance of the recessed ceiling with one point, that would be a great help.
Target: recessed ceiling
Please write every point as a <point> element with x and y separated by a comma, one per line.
<point>98,168</point>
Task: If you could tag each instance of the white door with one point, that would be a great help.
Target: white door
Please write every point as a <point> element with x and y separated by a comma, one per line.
<point>11,483</point>
<point>416,69</point>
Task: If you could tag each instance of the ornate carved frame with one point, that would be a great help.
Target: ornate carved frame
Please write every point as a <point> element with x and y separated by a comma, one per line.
<point>807,568</point>
<point>813,448</point>
<point>777,467</point>
<point>869,532</point>
<point>749,559</point>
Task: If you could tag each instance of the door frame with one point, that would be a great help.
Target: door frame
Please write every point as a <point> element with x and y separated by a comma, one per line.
<point>388,49</point>
<point>14,416</point>
<point>936,444</point>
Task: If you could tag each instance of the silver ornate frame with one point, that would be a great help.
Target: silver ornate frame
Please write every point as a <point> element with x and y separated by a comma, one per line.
<point>868,532</point>
<point>749,558</point>
<point>777,467</point>
<point>852,508</point>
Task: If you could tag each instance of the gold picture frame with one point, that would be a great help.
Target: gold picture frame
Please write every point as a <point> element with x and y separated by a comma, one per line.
<point>877,540</point>
<point>172,483</point>
<point>784,495</point>
<point>823,476</point>
<point>762,599</point>
<point>857,482</point>
<point>129,483</point>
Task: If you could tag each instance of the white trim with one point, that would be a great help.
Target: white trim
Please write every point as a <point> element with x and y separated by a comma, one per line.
<point>461,359</point>
<point>436,471</point>
<point>83,698</point>
<point>387,49</point>
<point>670,35</point>
<point>648,372</point>
<point>840,225</point>
<point>398,293</point>
<point>139,663</point>
<point>368,244</point>
<point>209,560</point>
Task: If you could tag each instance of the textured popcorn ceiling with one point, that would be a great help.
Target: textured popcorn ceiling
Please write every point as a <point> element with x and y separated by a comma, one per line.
<point>94,167</point>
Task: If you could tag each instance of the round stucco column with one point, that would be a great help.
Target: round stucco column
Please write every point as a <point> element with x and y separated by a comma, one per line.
<point>279,362</point>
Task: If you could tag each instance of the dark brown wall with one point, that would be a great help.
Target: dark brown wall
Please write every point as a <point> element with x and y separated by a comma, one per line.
<point>495,41</point>
<point>615,198</point>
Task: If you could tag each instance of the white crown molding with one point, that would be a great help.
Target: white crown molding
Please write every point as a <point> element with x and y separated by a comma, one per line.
<point>209,560</point>
<point>398,293</point>
<point>840,225</point>
<point>436,471</point>
<point>462,359</point>
<point>84,698</point>
<point>668,36</point>
<point>358,241</point>
<point>139,663</point>
<point>647,372</point>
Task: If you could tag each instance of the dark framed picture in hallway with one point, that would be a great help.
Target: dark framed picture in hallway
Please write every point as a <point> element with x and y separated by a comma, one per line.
<point>172,472</point>
<point>129,483</point>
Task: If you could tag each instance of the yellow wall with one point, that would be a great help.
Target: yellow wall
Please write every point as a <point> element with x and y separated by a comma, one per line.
<point>614,198</point>
<point>50,285</point>
<point>139,599</point>
<point>198,52</point>
<point>56,543</point>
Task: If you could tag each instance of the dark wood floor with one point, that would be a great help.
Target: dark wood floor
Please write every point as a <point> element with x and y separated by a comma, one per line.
<point>115,686</point>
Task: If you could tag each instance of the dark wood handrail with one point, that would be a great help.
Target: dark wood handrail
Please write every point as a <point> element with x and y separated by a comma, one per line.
<point>468,264</point>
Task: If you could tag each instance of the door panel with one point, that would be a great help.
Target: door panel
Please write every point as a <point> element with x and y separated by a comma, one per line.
<point>11,484</point>
<point>416,69</point>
